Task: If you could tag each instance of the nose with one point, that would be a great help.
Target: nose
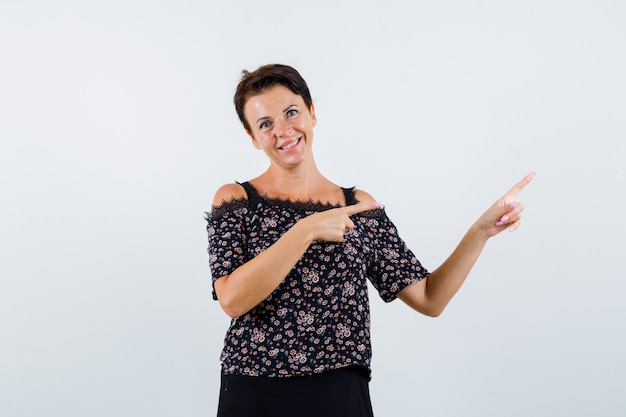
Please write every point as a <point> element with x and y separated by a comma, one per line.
<point>282,128</point>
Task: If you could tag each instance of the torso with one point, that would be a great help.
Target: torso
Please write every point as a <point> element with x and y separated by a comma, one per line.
<point>318,317</point>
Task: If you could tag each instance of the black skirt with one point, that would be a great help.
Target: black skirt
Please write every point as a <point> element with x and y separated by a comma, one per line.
<point>338,393</point>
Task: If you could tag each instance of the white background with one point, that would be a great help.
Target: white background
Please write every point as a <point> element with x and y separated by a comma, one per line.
<point>117,127</point>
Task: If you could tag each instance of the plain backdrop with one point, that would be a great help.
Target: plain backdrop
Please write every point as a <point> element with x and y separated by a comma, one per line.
<point>117,127</point>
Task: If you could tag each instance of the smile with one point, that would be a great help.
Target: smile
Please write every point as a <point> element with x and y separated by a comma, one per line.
<point>290,144</point>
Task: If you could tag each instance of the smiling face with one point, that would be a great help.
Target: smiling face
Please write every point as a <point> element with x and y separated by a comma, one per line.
<point>281,125</point>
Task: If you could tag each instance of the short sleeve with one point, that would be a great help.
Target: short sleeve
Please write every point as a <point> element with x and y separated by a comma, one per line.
<point>392,265</point>
<point>227,239</point>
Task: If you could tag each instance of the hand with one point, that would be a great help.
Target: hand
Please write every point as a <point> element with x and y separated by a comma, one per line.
<point>505,213</point>
<point>331,225</point>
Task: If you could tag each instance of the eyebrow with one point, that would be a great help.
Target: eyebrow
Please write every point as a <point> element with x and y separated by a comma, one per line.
<point>284,110</point>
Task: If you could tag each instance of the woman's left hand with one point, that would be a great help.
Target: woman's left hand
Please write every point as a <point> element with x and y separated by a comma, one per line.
<point>505,213</point>
<point>431,295</point>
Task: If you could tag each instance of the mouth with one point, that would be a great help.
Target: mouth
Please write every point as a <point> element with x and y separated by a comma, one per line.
<point>290,144</point>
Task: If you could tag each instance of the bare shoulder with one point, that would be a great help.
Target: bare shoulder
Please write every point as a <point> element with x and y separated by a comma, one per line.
<point>228,192</point>
<point>363,197</point>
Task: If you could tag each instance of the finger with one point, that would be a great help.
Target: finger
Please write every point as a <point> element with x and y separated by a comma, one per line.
<point>512,215</point>
<point>508,219</point>
<point>515,207</point>
<point>513,227</point>
<point>509,197</point>
<point>357,208</point>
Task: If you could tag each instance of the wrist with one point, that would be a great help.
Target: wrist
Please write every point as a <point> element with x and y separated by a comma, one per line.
<point>478,233</point>
<point>303,230</point>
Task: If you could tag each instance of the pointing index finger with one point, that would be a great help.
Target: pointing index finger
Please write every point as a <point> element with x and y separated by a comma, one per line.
<point>517,188</point>
<point>357,208</point>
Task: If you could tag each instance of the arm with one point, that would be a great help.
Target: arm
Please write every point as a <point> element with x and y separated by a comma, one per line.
<point>431,295</point>
<point>252,282</point>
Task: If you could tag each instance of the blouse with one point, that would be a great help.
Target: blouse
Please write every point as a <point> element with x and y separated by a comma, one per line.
<point>318,318</point>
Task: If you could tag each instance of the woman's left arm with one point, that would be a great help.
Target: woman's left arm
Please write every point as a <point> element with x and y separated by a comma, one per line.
<point>431,295</point>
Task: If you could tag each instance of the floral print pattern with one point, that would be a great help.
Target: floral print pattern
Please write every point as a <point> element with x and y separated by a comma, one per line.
<point>318,318</point>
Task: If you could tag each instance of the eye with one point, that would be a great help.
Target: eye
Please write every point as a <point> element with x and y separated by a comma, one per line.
<point>265,125</point>
<point>292,112</point>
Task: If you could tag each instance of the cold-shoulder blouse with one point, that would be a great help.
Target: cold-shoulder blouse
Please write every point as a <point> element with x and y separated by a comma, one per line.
<point>318,318</point>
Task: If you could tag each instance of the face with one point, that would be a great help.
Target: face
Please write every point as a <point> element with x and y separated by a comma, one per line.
<point>281,125</point>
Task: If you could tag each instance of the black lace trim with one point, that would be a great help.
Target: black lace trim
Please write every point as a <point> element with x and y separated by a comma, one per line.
<point>299,205</point>
<point>311,205</point>
<point>226,207</point>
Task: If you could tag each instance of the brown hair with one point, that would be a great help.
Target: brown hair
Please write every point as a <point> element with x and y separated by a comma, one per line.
<point>265,77</point>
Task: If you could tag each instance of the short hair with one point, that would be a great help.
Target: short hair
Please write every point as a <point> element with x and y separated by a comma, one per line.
<point>265,77</point>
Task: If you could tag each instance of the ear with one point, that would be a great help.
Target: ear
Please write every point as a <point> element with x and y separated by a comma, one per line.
<point>313,116</point>
<point>255,143</point>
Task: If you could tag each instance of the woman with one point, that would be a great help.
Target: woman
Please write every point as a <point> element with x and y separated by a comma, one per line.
<point>290,255</point>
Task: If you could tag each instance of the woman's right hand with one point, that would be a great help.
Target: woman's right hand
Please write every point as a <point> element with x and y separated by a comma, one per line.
<point>331,225</point>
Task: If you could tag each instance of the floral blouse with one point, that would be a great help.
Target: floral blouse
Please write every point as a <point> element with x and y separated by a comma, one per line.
<point>318,318</point>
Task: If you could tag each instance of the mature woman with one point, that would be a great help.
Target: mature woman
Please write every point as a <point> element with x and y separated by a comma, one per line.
<point>290,255</point>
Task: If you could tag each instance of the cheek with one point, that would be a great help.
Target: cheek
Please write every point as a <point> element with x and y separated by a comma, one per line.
<point>303,125</point>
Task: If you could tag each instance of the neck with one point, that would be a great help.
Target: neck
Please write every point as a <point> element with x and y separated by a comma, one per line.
<point>301,182</point>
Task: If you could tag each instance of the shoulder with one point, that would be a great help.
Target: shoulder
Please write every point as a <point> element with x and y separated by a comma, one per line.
<point>363,197</point>
<point>229,192</point>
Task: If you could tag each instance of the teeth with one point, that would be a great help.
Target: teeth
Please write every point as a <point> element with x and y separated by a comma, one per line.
<point>291,145</point>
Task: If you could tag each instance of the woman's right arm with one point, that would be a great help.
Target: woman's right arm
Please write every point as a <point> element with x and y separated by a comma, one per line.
<point>249,284</point>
